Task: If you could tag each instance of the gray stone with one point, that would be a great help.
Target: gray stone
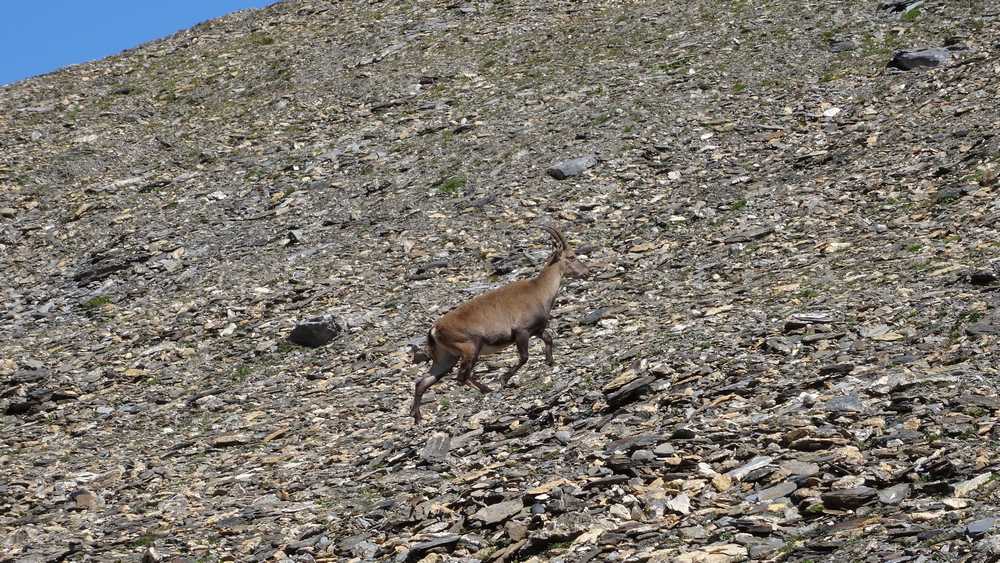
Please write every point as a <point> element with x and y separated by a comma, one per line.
<point>499,512</point>
<point>965,487</point>
<point>437,447</point>
<point>7,212</point>
<point>846,403</point>
<point>418,550</point>
<point>749,235</point>
<point>920,58</point>
<point>569,168</point>
<point>643,455</point>
<point>632,443</point>
<point>983,329</point>
<point>694,532</point>
<point>592,317</point>
<point>982,277</point>
<point>894,494</point>
<point>680,503</point>
<point>359,547</point>
<point>516,531</point>
<point>847,499</point>
<point>210,403</point>
<point>228,440</point>
<point>898,6</point>
<point>630,392</point>
<point>760,548</point>
<point>990,545</point>
<point>843,368</point>
<point>981,526</point>
<point>316,331</point>
<point>945,195</point>
<point>151,555</point>
<point>841,45</point>
<point>799,468</point>
<point>84,499</point>
<point>683,433</point>
<point>771,493</point>
<point>754,464</point>
<point>664,449</point>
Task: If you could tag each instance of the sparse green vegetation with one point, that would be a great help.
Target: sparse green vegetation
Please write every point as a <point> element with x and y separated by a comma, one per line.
<point>260,38</point>
<point>808,293</point>
<point>601,119</point>
<point>242,373</point>
<point>451,185</point>
<point>833,74</point>
<point>95,303</point>
<point>144,540</point>
<point>910,15</point>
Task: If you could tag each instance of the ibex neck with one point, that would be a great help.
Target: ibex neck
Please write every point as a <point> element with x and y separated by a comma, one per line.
<point>549,280</point>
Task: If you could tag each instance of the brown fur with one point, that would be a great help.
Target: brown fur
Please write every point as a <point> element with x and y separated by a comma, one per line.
<point>490,322</point>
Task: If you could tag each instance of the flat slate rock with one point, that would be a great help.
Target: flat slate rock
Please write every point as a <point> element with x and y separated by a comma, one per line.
<point>316,332</point>
<point>418,550</point>
<point>569,168</point>
<point>848,499</point>
<point>895,494</point>
<point>771,493</point>
<point>499,512</point>
<point>920,58</point>
<point>752,465</point>
<point>844,404</point>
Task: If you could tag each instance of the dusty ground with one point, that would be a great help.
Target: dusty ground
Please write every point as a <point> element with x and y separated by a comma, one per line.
<point>786,351</point>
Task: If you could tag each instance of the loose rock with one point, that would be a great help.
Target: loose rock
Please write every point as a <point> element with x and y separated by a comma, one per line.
<point>920,58</point>
<point>569,168</point>
<point>315,332</point>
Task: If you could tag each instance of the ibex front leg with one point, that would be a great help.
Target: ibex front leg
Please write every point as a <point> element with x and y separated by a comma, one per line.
<point>546,337</point>
<point>521,338</point>
<point>470,355</point>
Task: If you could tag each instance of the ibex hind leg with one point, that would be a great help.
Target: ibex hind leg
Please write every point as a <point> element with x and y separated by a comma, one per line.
<point>470,355</point>
<point>441,367</point>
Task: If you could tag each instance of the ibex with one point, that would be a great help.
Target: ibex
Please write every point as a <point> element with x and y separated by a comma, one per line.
<point>491,322</point>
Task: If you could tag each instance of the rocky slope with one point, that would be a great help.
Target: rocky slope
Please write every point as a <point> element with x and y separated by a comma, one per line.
<point>786,351</point>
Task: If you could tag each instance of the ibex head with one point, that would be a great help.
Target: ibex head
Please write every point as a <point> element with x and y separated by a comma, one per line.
<point>564,257</point>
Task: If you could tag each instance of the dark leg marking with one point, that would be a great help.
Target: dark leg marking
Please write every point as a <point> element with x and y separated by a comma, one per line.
<point>440,369</point>
<point>546,337</point>
<point>470,356</point>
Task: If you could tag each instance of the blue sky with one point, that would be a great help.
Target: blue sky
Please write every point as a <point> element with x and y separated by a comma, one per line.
<point>44,35</point>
